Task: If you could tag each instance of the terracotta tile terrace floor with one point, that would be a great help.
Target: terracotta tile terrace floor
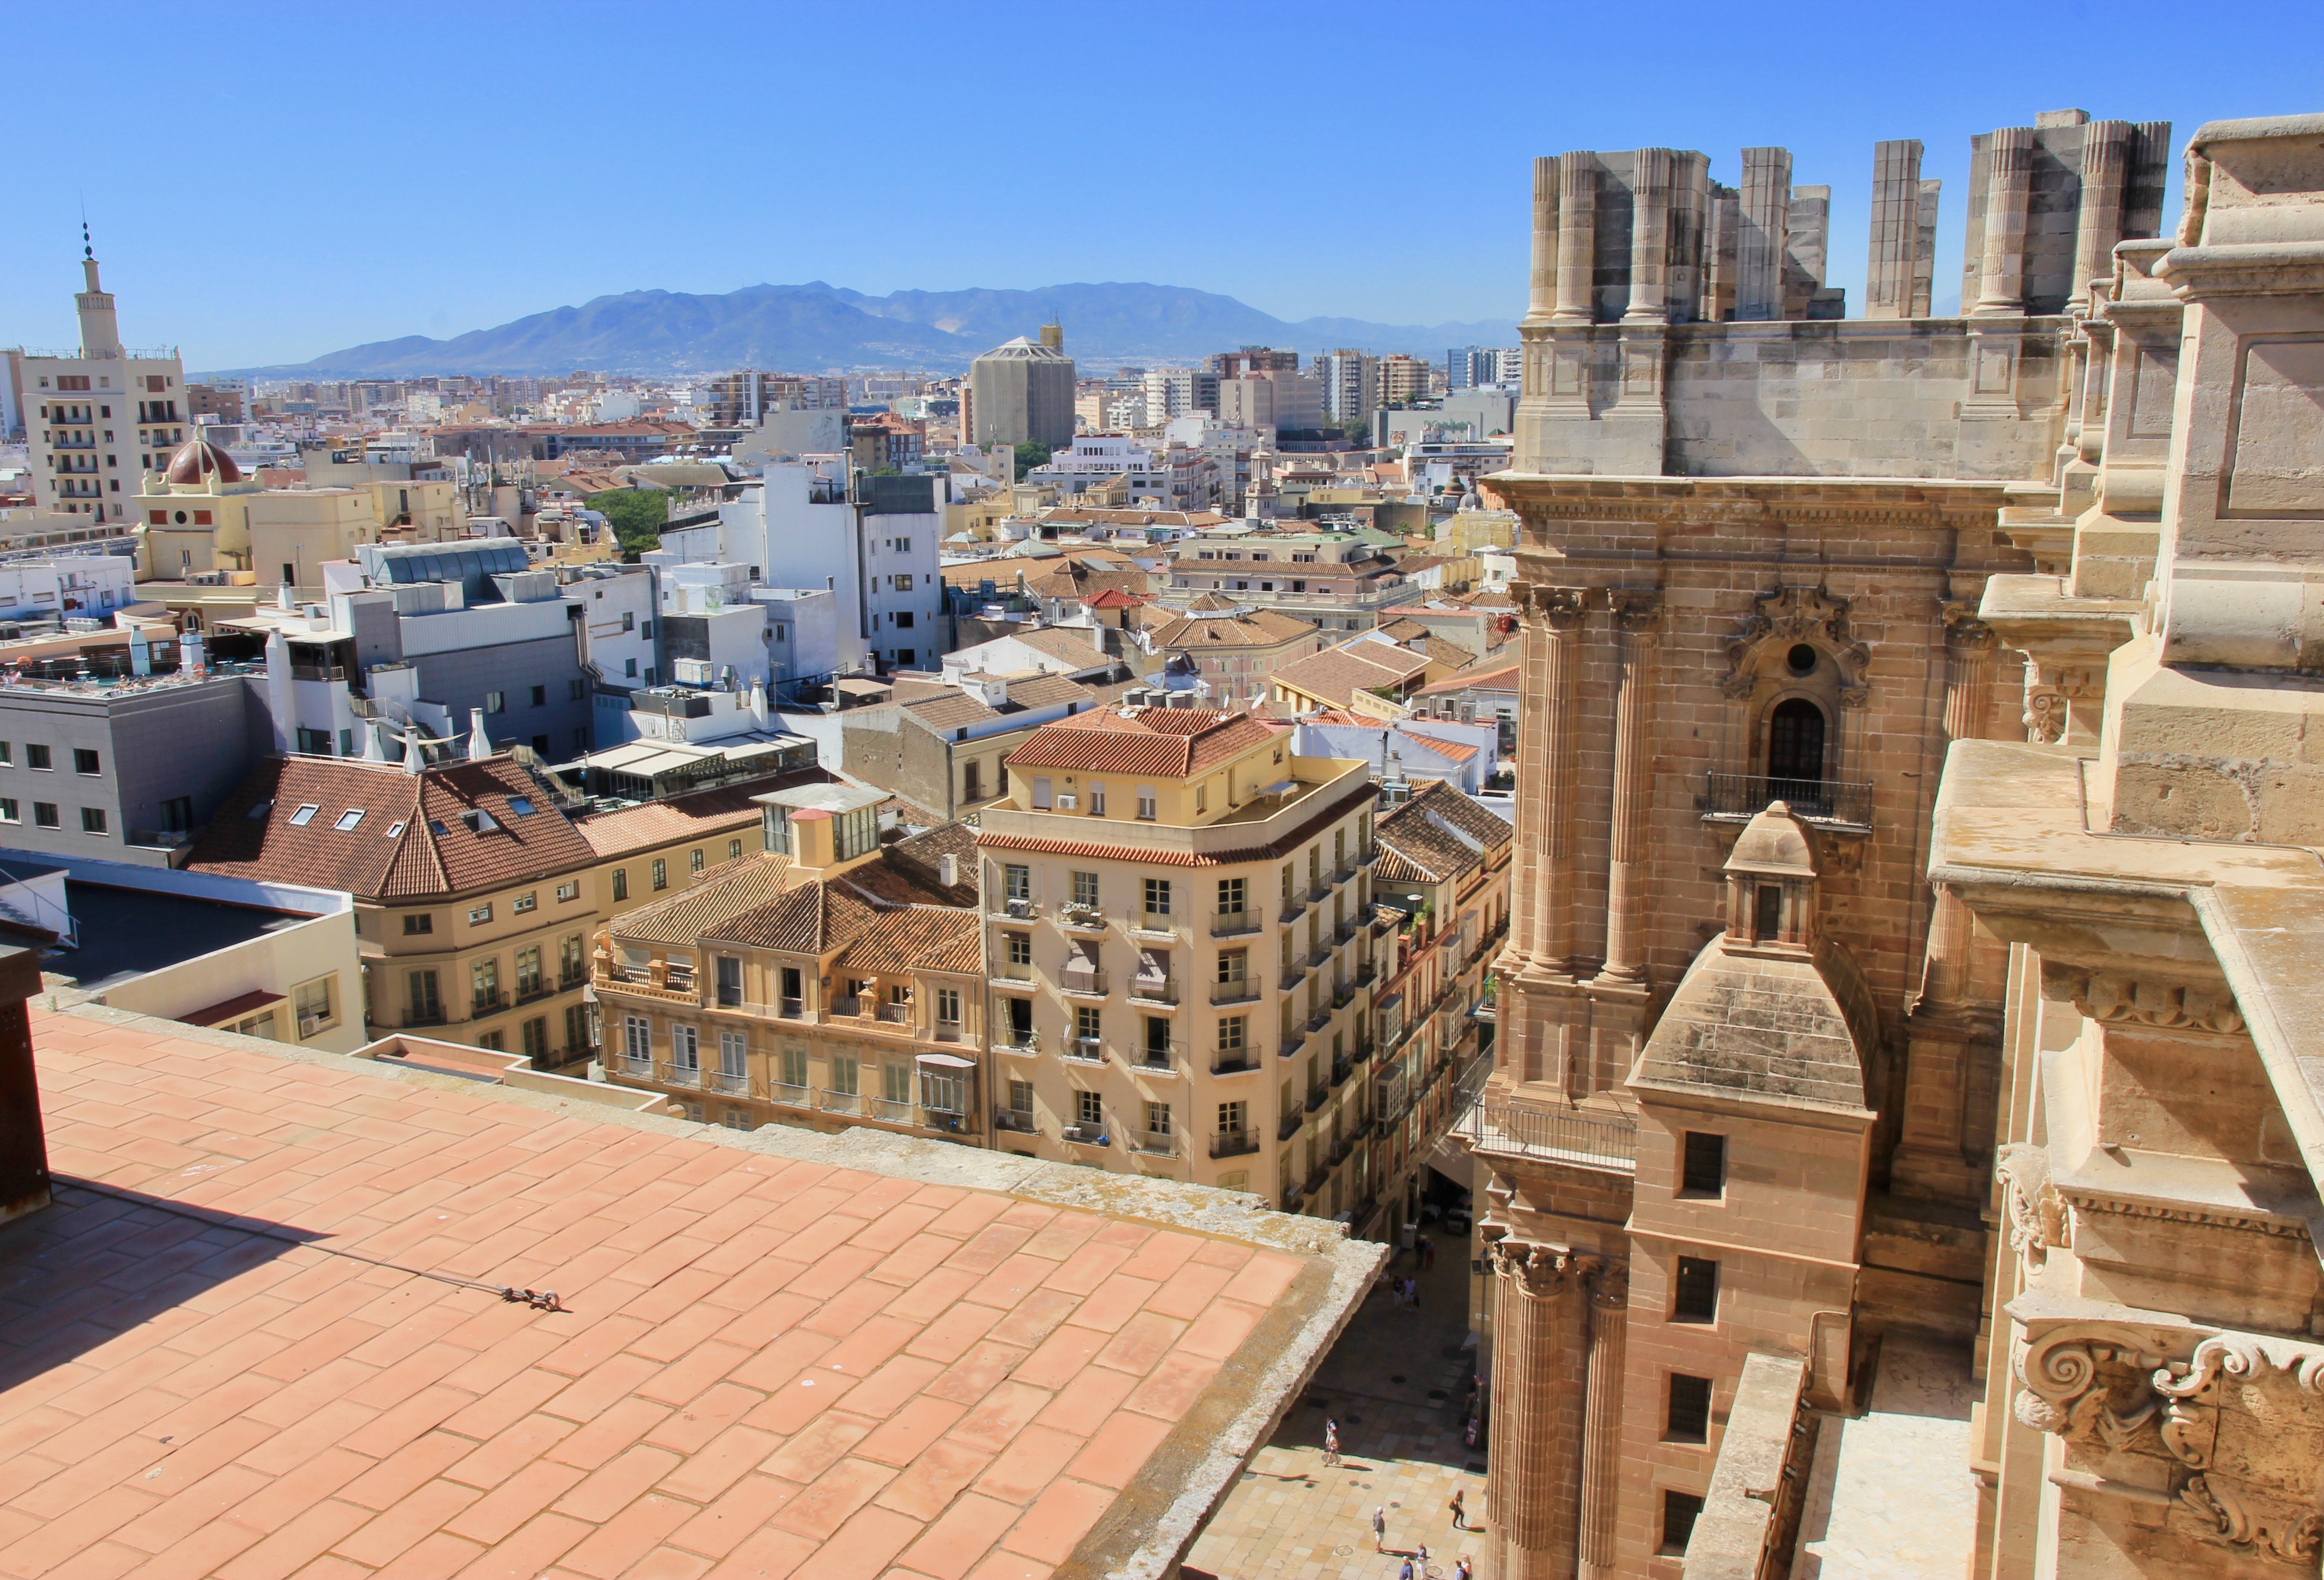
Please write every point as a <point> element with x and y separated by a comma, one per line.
<point>767,1360</point>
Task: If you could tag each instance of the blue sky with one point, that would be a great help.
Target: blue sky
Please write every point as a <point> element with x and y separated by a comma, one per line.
<point>268,182</point>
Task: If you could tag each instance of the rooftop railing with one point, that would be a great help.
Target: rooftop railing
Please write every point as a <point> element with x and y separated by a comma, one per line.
<point>1608,1142</point>
<point>1817,801</point>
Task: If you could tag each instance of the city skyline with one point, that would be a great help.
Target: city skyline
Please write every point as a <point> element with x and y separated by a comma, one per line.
<point>510,204</point>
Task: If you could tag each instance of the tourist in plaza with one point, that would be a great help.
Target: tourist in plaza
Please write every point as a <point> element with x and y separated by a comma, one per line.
<point>1331,1442</point>
<point>1379,1528</point>
<point>1459,1515</point>
<point>1461,1570</point>
<point>1405,1573</point>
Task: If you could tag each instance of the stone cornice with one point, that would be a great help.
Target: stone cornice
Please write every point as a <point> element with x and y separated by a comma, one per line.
<point>1774,500</point>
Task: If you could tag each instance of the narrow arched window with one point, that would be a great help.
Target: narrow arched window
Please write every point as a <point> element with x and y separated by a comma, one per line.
<point>1795,754</point>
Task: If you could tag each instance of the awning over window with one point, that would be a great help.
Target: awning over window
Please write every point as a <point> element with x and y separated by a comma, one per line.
<point>947,1060</point>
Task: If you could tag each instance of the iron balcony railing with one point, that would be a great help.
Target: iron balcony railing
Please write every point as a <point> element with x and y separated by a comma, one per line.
<point>1237,991</point>
<point>1153,990</point>
<point>1608,1142</point>
<point>733,1083</point>
<point>1814,800</point>
<point>1156,1142</point>
<point>1234,1060</point>
<point>1087,982</point>
<point>1232,1143</point>
<point>1230,923</point>
<point>1012,1119</point>
<point>1086,1134</point>
<point>784,1092</point>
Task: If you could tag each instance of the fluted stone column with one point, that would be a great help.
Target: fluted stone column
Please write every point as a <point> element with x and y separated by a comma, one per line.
<point>2008,183</point>
<point>1650,201</point>
<point>1533,1463</point>
<point>1635,615</point>
<point>1577,235</point>
<point>1523,946</point>
<point>1602,1418</point>
<point>1560,610</point>
<point>2098,223</point>
<point>1542,302</point>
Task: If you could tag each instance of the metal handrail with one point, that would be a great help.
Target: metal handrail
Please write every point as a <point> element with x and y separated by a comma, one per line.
<point>1232,1143</point>
<point>1609,1141</point>
<point>1822,801</point>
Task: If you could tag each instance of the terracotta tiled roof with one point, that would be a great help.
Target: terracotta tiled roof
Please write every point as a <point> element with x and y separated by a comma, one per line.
<point>891,943</point>
<point>1163,743</point>
<point>279,1331</point>
<point>1499,677</point>
<point>1419,842</point>
<point>1046,690</point>
<point>710,902</point>
<point>701,811</point>
<point>1073,644</point>
<point>1339,674</point>
<point>953,710</point>
<point>414,836</point>
<point>1243,627</point>
<point>1459,751</point>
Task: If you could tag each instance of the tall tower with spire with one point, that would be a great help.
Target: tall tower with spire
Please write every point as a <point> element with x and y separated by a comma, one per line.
<point>101,331</point>
<point>97,421</point>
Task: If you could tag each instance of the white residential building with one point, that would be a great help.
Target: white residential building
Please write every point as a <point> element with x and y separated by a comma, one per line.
<point>870,541</point>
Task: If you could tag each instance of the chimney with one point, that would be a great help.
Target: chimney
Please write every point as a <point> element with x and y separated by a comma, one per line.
<point>415,757</point>
<point>948,870</point>
<point>480,745</point>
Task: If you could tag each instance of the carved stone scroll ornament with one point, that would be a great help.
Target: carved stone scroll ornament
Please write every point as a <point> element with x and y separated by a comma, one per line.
<point>2233,1386</point>
<point>2036,1213</point>
<point>2072,1373</point>
<point>2237,1422</point>
<point>1791,615</point>
<point>1544,1272</point>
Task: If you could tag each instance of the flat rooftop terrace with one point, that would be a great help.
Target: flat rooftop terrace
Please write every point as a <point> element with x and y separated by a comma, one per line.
<point>129,932</point>
<point>263,1331</point>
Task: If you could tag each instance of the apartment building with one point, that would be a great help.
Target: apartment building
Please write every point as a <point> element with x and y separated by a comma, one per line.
<point>1443,881</point>
<point>1176,936</point>
<point>1340,580</point>
<point>97,420</point>
<point>475,888</point>
<point>824,978</point>
<point>1216,642</point>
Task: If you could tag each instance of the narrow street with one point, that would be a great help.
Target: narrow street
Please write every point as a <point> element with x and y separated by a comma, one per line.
<point>1396,1382</point>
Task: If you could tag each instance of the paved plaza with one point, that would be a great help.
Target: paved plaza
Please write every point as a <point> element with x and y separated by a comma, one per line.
<point>1396,1382</point>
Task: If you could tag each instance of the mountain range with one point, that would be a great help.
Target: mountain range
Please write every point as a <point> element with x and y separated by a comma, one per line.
<point>813,327</point>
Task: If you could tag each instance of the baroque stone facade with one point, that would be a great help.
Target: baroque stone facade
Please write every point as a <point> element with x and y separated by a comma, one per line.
<point>1753,1067</point>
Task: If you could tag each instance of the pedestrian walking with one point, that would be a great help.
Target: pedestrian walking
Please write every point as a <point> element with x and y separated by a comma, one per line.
<point>1406,1574</point>
<point>1461,1570</point>
<point>1331,1442</point>
<point>1412,1286</point>
<point>1427,1252</point>
<point>1471,1434</point>
<point>1459,1515</point>
<point>1379,1528</point>
<point>1420,1558</point>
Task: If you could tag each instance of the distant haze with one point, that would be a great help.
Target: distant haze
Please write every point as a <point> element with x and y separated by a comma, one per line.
<point>816,326</point>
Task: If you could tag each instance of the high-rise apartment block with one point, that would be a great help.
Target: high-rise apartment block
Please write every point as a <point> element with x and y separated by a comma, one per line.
<point>1021,394</point>
<point>743,399</point>
<point>95,422</point>
<point>1351,383</point>
<point>1403,380</point>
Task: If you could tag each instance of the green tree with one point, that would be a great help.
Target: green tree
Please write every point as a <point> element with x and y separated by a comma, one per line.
<point>1029,456</point>
<point>638,516</point>
<point>1358,430</point>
